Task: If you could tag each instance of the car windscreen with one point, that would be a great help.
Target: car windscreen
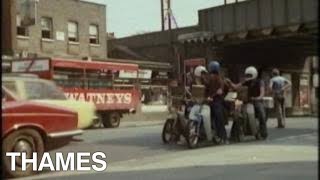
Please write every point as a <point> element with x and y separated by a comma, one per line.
<point>41,90</point>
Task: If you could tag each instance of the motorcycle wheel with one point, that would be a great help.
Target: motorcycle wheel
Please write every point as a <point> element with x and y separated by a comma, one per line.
<point>167,131</point>
<point>258,136</point>
<point>240,137</point>
<point>193,137</point>
<point>241,131</point>
<point>216,140</point>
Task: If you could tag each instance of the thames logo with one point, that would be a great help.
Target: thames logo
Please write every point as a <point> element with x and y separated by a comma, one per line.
<point>80,161</point>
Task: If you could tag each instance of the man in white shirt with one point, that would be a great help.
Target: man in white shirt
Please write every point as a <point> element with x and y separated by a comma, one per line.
<point>278,85</point>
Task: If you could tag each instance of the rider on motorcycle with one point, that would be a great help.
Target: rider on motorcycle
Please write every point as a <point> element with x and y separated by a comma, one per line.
<point>255,94</point>
<point>215,92</point>
<point>200,74</point>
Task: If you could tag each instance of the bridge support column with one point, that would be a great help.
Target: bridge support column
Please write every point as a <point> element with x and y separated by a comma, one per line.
<point>302,88</point>
<point>315,85</point>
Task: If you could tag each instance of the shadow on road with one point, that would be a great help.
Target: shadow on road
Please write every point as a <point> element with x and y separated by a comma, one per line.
<point>265,171</point>
<point>288,136</point>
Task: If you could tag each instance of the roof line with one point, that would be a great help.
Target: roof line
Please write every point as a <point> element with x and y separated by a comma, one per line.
<point>93,3</point>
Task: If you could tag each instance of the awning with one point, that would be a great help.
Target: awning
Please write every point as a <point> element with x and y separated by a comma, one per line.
<point>196,36</point>
<point>145,64</point>
<point>128,51</point>
<point>6,64</point>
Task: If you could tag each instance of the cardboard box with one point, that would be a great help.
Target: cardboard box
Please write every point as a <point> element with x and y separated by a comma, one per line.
<point>243,94</point>
<point>198,92</point>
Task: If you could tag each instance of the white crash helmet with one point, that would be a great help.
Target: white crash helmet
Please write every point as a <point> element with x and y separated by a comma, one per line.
<point>251,70</point>
<point>199,70</point>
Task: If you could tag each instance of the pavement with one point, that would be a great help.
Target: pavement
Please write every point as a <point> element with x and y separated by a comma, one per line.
<point>148,116</point>
<point>153,108</point>
<point>138,153</point>
<point>158,118</point>
<point>140,123</point>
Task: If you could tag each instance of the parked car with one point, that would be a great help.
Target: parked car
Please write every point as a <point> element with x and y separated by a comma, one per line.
<point>29,87</point>
<point>29,127</point>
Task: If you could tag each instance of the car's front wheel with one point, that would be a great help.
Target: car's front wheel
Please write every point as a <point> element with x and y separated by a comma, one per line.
<point>23,140</point>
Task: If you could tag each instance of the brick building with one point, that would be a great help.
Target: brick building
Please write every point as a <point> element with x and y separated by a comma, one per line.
<point>62,28</point>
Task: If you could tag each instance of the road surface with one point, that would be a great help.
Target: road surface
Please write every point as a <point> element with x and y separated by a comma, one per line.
<point>138,153</point>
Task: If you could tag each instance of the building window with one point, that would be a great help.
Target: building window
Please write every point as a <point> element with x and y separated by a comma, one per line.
<point>21,30</point>
<point>46,28</point>
<point>10,85</point>
<point>94,35</point>
<point>73,32</point>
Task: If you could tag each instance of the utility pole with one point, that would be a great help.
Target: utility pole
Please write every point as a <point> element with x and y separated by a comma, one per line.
<point>167,19</point>
<point>162,15</point>
<point>167,16</point>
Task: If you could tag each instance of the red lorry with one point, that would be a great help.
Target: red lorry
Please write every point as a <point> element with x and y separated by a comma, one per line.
<point>113,87</point>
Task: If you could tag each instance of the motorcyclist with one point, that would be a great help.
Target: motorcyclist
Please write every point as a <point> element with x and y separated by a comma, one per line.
<point>215,92</point>
<point>255,93</point>
<point>200,74</point>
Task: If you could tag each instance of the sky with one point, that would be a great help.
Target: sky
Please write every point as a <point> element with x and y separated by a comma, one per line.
<point>129,17</point>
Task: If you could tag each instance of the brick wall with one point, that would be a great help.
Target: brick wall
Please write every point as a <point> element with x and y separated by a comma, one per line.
<point>62,11</point>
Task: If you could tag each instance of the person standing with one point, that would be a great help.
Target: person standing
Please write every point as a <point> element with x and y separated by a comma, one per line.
<point>278,85</point>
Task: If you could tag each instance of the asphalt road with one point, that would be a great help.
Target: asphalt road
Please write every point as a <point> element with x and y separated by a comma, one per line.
<point>138,153</point>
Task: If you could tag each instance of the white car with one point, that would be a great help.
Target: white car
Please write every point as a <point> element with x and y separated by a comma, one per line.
<point>40,90</point>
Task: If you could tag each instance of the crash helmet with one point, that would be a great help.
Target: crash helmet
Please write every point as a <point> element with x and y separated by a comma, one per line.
<point>214,67</point>
<point>251,73</point>
<point>199,70</point>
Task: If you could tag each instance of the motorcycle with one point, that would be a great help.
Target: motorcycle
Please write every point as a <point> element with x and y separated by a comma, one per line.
<point>196,124</point>
<point>196,128</point>
<point>245,122</point>
<point>176,122</point>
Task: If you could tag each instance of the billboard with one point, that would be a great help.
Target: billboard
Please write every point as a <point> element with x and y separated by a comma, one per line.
<point>30,66</point>
<point>145,74</point>
<point>128,74</point>
<point>288,93</point>
<point>26,12</point>
<point>304,99</point>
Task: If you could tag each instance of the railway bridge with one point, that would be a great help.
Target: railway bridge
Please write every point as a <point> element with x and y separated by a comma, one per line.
<point>263,33</point>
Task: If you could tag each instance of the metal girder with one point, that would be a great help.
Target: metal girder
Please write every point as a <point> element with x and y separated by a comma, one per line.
<point>260,39</point>
<point>273,47</point>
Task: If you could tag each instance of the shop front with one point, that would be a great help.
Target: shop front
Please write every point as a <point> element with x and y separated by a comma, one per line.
<point>298,98</point>
<point>154,87</point>
<point>153,80</point>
